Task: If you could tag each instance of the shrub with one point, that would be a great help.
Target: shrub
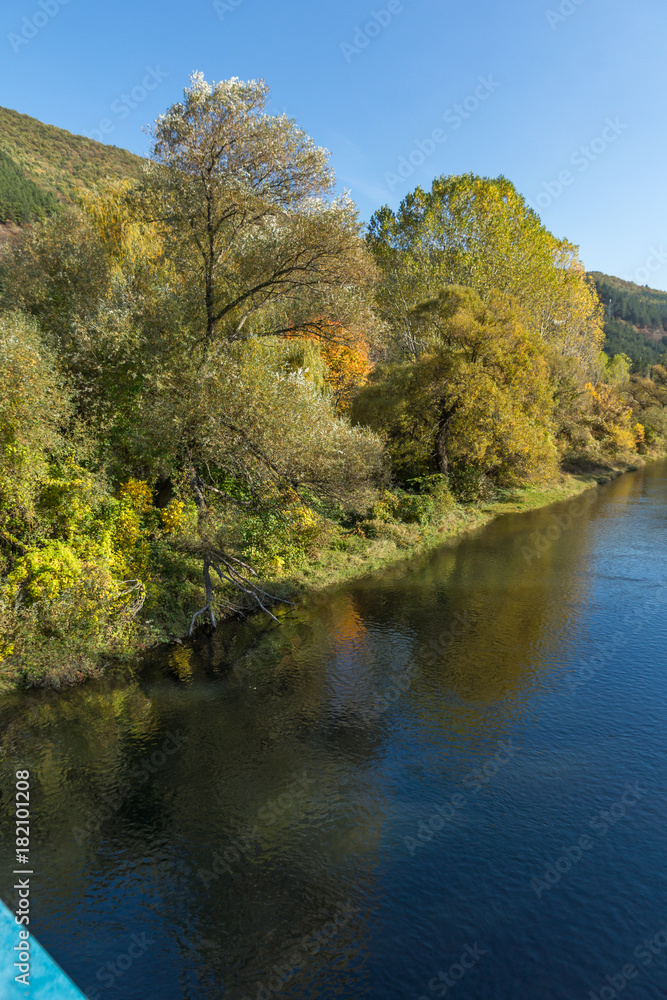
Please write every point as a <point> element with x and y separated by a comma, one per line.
<point>470,485</point>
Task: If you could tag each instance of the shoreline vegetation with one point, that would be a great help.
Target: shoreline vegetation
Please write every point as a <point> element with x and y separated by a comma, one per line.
<point>361,554</point>
<point>221,391</point>
<point>371,554</point>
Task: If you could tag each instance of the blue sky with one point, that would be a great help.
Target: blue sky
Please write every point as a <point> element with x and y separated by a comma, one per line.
<point>564,97</point>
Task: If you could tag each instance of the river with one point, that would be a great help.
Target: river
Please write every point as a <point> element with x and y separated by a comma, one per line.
<point>445,780</point>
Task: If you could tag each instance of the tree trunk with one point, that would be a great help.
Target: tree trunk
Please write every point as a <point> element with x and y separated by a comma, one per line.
<point>202,516</point>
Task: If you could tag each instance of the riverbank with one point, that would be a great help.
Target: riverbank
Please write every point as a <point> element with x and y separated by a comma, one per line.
<point>362,556</point>
<point>345,555</point>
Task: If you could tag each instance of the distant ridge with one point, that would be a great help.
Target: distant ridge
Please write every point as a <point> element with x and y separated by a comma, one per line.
<point>57,162</point>
<point>635,319</point>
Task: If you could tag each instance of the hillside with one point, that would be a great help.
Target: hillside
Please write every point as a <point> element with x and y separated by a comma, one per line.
<point>635,319</point>
<point>41,165</point>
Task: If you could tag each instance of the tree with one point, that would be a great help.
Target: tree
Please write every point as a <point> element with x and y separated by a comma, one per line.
<point>244,200</point>
<point>346,365</point>
<point>21,200</point>
<point>33,407</point>
<point>479,232</point>
<point>648,396</point>
<point>478,396</point>
<point>157,297</point>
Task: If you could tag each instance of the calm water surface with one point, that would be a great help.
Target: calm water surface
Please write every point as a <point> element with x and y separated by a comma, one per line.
<point>392,785</point>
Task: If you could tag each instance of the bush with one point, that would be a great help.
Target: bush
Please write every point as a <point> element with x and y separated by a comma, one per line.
<point>402,535</point>
<point>470,485</point>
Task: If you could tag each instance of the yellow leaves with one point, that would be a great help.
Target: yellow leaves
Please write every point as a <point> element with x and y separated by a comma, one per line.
<point>623,438</point>
<point>274,538</point>
<point>136,498</point>
<point>348,370</point>
<point>174,517</point>
<point>610,418</point>
<point>479,232</point>
<point>640,435</point>
<point>69,499</point>
<point>43,573</point>
<point>180,661</point>
<point>302,520</point>
<point>139,495</point>
<point>347,364</point>
<point>126,534</point>
<point>6,649</point>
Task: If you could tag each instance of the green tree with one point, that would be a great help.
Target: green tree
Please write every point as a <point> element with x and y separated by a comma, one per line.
<point>21,200</point>
<point>33,408</point>
<point>478,396</point>
<point>157,299</point>
<point>480,233</point>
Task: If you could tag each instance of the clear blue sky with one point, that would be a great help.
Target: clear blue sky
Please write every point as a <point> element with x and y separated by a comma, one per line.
<point>555,82</point>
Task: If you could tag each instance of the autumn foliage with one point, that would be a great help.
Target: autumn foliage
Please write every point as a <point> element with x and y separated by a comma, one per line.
<point>210,376</point>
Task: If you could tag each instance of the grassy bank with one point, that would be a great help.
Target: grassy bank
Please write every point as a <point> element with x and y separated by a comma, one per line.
<point>343,553</point>
<point>360,555</point>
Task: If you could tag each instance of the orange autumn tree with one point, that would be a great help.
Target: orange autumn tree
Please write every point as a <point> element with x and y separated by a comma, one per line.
<point>347,360</point>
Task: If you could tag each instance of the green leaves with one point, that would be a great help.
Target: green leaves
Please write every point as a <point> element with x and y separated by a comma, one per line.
<point>479,233</point>
<point>478,395</point>
<point>21,200</point>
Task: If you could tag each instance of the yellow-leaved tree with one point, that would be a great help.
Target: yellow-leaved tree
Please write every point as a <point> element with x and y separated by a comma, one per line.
<point>478,396</point>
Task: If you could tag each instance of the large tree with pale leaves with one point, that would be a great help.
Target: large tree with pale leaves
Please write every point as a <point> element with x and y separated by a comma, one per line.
<point>184,310</point>
<point>246,202</point>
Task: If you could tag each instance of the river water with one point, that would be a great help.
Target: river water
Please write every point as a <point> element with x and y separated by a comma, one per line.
<point>446,780</point>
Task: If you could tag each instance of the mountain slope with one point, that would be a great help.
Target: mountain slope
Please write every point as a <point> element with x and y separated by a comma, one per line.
<point>635,319</point>
<point>55,162</point>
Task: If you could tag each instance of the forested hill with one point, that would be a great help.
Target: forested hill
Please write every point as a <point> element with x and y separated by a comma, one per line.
<point>635,319</point>
<point>41,165</point>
